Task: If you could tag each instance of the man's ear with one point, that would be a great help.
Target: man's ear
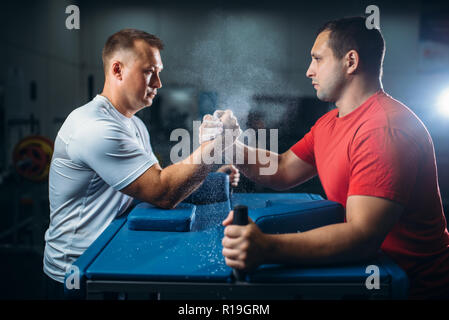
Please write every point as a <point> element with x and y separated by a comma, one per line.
<point>352,61</point>
<point>117,69</point>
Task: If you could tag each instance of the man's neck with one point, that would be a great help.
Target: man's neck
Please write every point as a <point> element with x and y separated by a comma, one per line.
<point>117,102</point>
<point>355,94</point>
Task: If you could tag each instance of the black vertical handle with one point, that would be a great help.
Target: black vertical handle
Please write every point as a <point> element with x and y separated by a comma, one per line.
<point>240,215</point>
<point>240,219</point>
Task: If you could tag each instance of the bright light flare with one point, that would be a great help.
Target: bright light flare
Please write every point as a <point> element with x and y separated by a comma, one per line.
<point>443,103</point>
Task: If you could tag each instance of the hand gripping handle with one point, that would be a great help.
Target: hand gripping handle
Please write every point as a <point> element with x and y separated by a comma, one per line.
<point>240,219</point>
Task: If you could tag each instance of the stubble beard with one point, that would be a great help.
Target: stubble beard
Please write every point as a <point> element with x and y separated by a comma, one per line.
<point>333,89</point>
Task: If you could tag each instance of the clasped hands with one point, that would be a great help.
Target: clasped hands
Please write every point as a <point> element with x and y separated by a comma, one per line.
<point>222,125</point>
<point>243,246</point>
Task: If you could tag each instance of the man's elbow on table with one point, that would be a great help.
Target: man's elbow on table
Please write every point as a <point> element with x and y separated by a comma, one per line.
<point>150,188</point>
<point>366,249</point>
<point>372,218</point>
<point>162,201</point>
<point>166,204</point>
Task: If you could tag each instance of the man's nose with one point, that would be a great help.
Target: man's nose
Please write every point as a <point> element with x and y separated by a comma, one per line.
<point>156,82</point>
<point>310,73</point>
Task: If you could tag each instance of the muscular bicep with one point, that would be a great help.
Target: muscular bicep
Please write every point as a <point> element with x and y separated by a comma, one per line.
<point>148,187</point>
<point>293,170</point>
<point>372,218</point>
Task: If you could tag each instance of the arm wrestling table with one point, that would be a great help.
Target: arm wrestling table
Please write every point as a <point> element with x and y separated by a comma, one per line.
<point>176,254</point>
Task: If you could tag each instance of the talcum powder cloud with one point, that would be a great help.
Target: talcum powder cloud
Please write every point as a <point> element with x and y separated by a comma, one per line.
<point>236,57</point>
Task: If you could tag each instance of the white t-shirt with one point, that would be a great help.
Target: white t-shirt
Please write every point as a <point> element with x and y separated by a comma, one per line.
<point>98,151</point>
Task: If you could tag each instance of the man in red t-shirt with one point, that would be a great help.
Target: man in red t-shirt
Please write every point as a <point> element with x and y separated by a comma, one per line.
<point>373,155</point>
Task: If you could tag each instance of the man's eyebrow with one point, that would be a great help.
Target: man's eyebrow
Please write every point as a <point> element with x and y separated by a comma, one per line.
<point>154,66</point>
<point>315,55</point>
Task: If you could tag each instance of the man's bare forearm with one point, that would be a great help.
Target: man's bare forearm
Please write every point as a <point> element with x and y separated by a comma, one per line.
<point>330,244</point>
<point>179,180</point>
<point>252,166</point>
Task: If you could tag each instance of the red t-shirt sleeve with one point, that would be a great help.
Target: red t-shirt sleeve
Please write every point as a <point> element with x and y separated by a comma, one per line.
<point>383,163</point>
<point>304,148</point>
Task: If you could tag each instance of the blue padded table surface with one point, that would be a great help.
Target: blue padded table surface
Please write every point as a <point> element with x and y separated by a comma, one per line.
<point>195,256</point>
<point>180,219</point>
<point>258,200</point>
<point>163,256</point>
<point>180,256</point>
<point>284,274</point>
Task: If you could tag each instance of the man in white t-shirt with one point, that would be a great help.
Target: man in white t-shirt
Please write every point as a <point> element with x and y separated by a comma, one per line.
<point>103,157</point>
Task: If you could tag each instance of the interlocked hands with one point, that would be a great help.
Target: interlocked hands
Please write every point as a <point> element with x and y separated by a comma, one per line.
<point>222,124</point>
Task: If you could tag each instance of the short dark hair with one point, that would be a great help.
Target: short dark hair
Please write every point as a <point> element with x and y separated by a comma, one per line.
<point>352,34</point>
<point>124,39</point>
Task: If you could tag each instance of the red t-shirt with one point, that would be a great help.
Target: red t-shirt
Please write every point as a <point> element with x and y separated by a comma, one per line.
<point>382,149</point>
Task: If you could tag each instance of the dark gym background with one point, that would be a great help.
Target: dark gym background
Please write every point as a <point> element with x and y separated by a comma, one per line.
<point>248,56</point>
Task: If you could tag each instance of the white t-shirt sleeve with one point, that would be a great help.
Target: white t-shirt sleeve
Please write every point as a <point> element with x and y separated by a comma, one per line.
<point>111,151</point>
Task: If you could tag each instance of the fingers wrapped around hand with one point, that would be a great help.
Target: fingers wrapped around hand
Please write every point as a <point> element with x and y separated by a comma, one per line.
<point>210,128</point>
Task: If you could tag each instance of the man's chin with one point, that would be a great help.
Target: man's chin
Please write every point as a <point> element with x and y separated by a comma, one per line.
<point>148,102</point>
<point>320,97</point>
<point>323,97</point>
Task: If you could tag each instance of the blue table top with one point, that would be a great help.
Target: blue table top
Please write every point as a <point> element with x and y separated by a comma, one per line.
<point>162,256</point>
<point>258,200</point>
<point>125,252</point>
<point>196,255</point>
<point>150,247</point>
<point>176,256</point>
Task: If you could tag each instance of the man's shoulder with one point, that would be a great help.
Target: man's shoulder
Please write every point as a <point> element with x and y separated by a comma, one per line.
<point>96,109</point>
<point>327,119</point>
<point>391,119</point>
<point>92,116</point>
<point>139,122</point>
<point>389,113</point>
